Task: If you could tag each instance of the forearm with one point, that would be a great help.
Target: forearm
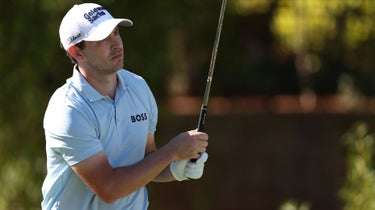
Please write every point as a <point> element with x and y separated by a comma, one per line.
<point>154,167</point>
<point>111,184</point>
<point>164,176</point>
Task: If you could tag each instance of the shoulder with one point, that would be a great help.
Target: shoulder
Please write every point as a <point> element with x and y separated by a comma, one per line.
<point>66,97</point>
<point>130,76</point>
<point>66,109</point>
<point>133,81</point>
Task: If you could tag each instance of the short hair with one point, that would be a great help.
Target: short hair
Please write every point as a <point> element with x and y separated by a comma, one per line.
<point>81,45</point>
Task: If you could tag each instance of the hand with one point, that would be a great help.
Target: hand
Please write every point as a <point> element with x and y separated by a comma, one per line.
<point>188,145</point>
<point>178,169</point>
<point>185,169</point>
<point>194,170</point>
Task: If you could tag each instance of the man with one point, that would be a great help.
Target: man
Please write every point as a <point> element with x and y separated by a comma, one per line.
<point>100,125</point>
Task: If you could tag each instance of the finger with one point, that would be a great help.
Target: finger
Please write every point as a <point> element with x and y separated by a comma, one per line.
<point>201,150</point>
<point>196,156</point>
<point>203,143</point>
<point>199,135</point>
<point>203,158</point>
<point>202,136</point>
<point>194,167</point>
<point>194,171</point>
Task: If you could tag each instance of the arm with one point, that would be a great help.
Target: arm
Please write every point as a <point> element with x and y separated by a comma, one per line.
<point>165,175</point>
<point>113,183</point>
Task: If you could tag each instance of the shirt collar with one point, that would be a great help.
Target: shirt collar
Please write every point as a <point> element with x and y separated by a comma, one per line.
<point>81,84</point>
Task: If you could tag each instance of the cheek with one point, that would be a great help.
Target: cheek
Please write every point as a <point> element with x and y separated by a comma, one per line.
<point>120,42</point>
<point>98,53</point>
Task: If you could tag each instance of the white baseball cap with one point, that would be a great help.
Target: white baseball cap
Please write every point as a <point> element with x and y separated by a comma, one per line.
<point>88,22</point>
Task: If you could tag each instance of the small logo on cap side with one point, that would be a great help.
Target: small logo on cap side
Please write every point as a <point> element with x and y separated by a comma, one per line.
<point>94,14</point>
<point>74,37</point>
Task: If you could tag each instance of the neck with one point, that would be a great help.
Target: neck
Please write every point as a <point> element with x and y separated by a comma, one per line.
<point>105,84</point>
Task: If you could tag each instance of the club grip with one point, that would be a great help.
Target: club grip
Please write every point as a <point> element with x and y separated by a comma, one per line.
<point>201,122</point>
<point>202,118</point>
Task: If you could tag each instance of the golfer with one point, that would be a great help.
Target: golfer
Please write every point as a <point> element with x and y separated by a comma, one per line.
<point>99,126</point>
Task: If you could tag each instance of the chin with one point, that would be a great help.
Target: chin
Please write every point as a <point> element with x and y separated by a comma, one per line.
<point>120,66</point>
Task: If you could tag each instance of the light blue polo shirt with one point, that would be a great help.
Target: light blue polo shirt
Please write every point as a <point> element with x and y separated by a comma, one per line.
<point>80,122</point>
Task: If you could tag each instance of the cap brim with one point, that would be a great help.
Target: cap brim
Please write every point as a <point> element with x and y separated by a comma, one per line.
<point>104,29</point>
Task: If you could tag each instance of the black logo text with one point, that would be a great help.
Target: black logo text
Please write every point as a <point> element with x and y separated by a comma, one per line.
<point>139,117</point>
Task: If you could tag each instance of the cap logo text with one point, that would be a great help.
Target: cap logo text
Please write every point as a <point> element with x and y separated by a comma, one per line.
<point>73,37</point>
<point>94,14</point>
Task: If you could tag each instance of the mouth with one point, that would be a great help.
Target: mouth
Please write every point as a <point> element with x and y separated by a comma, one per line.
<point>117,55</point>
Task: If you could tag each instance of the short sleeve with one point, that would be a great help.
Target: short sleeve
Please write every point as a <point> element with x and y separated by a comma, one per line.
<point>153,112</point>
<point>71,132</point>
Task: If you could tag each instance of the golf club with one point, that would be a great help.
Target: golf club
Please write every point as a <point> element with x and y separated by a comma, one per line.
<point>203,112</point>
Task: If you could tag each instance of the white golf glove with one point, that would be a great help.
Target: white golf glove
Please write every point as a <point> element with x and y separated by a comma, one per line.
<point>185,169</point>
<point>178,169</point>
<point>194,170</point>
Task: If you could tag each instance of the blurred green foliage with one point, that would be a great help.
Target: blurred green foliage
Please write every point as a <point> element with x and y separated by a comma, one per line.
<point>294,205</point>
<point>170,45</point>
<point>358,191</point>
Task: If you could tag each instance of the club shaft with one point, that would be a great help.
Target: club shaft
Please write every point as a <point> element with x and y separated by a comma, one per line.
<point>203,112</point>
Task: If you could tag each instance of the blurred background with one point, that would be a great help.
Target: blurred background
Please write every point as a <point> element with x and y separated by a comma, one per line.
<point>290,118</point>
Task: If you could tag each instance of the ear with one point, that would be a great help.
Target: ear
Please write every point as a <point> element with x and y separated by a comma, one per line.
<point>75,52</point>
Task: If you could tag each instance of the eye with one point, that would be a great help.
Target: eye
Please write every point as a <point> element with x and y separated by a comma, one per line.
<point>117,31</point>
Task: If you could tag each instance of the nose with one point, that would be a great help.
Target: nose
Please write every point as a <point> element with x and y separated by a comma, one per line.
<point>115,40</point>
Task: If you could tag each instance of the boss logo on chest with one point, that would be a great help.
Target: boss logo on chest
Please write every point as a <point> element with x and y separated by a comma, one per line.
<point>139,117</point>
